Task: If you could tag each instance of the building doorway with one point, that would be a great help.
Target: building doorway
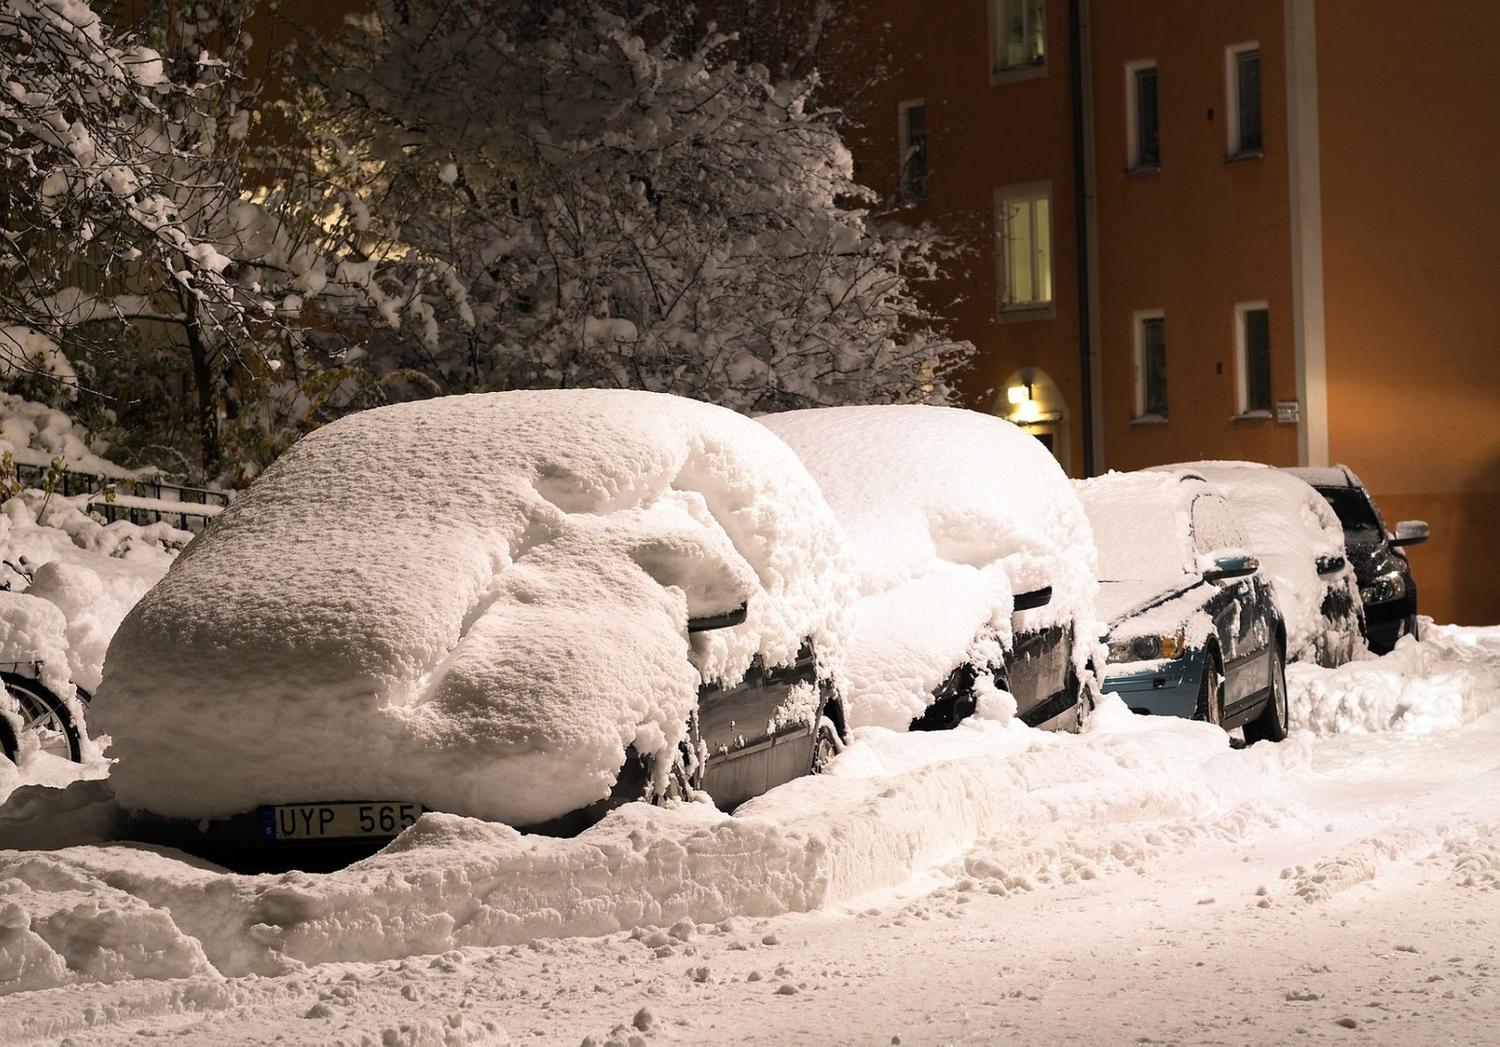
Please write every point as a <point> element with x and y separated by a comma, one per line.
<point>1030,399</point>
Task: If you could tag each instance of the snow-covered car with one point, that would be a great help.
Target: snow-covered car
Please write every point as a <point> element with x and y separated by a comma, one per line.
<point>976,565</point>
<point>1193,628</point>
<point>1386,585</point>
<point>1300,545</point>
<point>515,606</point>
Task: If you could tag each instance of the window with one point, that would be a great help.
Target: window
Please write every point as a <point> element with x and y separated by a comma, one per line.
<point>1252,339</point>
<point>1141,125</point>
<point>1023,231</point>
<point>1018,34</point>
<point>1151,365</point>
<point>912,121</point>
<point>1214,527</point>
<point>1242,91</point>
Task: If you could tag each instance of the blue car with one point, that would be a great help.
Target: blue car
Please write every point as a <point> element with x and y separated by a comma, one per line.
<point>1193,628</point>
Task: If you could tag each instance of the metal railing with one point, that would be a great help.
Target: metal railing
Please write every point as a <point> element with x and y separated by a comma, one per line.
<point>142,502</point>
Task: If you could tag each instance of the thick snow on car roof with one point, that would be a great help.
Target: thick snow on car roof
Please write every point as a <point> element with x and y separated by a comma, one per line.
<point>950,513</point>
<point>1289,526</point>
<point>475,602</point>
<point>1327,476</point>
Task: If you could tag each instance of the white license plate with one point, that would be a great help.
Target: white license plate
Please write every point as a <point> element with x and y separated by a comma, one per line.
<point>311,822</point>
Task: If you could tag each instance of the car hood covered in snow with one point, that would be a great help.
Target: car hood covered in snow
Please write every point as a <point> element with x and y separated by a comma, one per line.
<point>950,513</point>
<point>475,602</point>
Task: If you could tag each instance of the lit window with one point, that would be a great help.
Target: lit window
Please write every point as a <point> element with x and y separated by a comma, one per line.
<point>1023,230</point>
<point>1151,365</point>
<point>912,118</point>
<point>1142,127</point>
<point>1253,356</point>
<point>1243,95</point>
<point>1018,34</point>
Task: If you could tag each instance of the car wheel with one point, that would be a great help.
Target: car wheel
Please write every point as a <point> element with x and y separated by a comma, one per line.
<point>46,715</point>
<point>1271,724</point>
<point>1210,692</point>
<point>826,745</point>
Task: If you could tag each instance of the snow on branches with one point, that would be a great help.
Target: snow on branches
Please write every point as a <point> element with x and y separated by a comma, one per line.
<point>549,200</point>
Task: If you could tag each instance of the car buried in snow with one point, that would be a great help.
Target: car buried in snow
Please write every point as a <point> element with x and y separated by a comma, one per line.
<point>1300,545</point>
<point>527,607</point>
<point>975,564</point>
<point>1194,630</point>
<point>1386,585</point>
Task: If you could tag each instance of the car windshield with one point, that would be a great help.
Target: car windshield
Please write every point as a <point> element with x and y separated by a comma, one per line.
<point>1355,513</point>
<point>1141,527</point>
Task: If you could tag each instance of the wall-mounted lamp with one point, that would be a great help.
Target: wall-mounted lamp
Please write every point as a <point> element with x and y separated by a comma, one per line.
<point>1018,394</point>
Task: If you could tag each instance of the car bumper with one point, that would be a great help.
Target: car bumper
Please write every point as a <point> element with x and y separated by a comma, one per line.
<point>1166,688</point>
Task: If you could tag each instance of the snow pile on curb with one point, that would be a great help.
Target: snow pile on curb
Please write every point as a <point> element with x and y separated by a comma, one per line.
<point>950,514</point>
<point>473,602</point>
<point>892,806</point>
<point>1449,679</point>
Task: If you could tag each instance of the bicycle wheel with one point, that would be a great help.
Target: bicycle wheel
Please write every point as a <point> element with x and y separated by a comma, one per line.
<point>45,715</point>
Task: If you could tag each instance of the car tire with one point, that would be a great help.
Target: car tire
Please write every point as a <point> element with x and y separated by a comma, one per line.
<point>826,745</point>
<point>1210,692</point>
<point>1271,724</point>
<point>42,711</point>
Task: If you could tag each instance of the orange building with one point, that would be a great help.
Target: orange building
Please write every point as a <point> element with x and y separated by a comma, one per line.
<point>1252,229</point>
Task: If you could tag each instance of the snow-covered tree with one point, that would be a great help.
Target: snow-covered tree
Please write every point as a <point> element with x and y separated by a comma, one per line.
<point>540,198</point>
<point>135,230</point>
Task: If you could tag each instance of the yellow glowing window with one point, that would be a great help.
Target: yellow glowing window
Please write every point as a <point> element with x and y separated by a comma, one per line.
<point>1024,231</point>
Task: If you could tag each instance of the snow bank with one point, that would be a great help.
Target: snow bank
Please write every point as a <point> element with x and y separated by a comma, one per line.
<point>1002,807</point>
<point>1289,526</point>
<point>893,805</point>
<point>474,602</point>
<point>950,514</point>
<point>1445,681</point>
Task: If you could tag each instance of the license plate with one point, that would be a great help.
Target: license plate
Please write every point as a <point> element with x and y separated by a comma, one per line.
<point>312,822</point>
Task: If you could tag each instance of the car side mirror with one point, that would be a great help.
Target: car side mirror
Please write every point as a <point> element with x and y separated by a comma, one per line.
<point>1227,568</point>
<point>1330,564</point>
<point>1034,599</point>
<point>1410,532</point>
<point>728,619</point>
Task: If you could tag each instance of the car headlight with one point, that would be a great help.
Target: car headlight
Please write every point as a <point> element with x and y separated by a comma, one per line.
<point>1148,648</point>
<point>1388,586</point>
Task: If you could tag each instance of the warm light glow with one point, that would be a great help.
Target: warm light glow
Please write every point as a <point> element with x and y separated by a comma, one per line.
<point>1027,410</point>
<point>1018,394</point>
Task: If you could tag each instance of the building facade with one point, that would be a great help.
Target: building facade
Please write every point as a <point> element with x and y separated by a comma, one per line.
<point>1254,229</point>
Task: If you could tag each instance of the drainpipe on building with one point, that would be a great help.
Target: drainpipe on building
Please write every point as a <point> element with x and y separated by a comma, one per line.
<point>1083,241</point>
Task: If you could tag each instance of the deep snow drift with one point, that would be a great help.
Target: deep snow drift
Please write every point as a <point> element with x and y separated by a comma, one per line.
<point>1024,807</point>
<point>943,549</point>
<point>474,602</point>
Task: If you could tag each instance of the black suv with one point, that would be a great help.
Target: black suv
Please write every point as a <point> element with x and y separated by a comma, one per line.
<point>1385,582</point>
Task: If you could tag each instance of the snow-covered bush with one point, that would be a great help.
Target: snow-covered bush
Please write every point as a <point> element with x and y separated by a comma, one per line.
<point>950,514</point>
<point>548,200</point>
<point>473,602</point>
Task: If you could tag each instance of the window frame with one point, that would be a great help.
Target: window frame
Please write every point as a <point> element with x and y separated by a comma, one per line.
<point>1133,116</point>
<point>1030,310</point>
<point>1235,149</point>
<point>1242,362</point>
<point>1000,71</point>
<point>903,142</point>
<point>1138,321</point>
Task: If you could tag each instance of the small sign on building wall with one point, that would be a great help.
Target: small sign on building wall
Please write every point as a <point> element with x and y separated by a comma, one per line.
<point>1288,411</point>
